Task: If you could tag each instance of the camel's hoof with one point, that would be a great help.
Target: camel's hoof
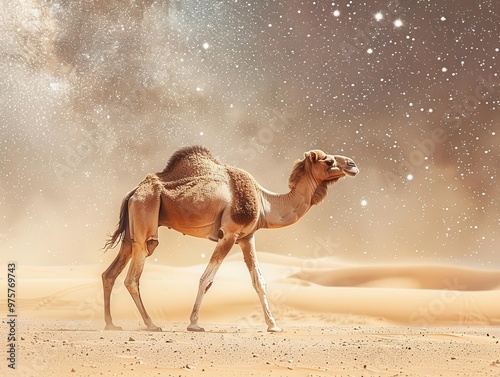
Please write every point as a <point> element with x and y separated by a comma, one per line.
<point>112,327</point>
<point>195,328</point>
<point>274,329</point>
<point>154,328</point>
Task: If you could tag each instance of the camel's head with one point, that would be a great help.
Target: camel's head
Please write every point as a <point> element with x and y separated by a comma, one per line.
<point>327,167</point>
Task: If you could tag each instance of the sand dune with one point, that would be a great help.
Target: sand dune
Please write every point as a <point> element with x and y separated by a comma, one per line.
<point>414,295</point>
<point>330,310</point>
<point>418,277</point>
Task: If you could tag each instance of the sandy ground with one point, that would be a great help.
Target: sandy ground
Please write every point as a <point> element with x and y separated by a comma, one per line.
<point>79,348</point>
<point>339,320</point>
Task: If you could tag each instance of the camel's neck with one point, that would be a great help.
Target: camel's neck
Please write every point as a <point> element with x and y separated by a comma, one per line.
<point>279,210</point>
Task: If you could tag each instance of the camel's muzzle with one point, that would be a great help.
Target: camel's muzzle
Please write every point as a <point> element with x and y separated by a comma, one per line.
<point>351,169</point>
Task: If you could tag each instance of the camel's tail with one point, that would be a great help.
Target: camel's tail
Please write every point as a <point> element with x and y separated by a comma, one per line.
<point>119,233</point>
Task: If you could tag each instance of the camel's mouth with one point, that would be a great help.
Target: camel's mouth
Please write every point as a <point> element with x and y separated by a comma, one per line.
<point>351,171</point>
<point>341,166</point>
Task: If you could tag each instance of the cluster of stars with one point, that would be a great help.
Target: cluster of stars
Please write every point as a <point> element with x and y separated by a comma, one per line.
<point>370,80</point>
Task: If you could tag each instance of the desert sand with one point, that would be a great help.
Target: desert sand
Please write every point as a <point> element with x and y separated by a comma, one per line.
<point>339,319</point>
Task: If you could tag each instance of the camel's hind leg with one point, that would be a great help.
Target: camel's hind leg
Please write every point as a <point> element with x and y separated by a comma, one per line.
<point>143,215</point>
<point>109,277</point>
<point>139,254</point>
<point>132,282</point>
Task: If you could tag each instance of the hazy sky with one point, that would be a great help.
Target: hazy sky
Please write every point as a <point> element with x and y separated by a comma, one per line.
<point>96,94</point>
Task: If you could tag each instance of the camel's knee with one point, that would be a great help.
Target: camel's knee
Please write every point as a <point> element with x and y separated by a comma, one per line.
<point>108,279</point>
<point>105,278</point>
<point>132,285</point>
<point>205,284</point>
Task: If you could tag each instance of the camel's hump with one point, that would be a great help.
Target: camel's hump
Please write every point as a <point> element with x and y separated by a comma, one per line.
<point>187,152</point>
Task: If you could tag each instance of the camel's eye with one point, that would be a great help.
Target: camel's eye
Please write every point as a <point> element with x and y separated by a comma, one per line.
<point>329,162</point>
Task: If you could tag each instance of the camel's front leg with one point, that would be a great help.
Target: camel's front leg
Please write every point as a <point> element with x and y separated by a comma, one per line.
<point>248,247</point>
<point>223,247</point>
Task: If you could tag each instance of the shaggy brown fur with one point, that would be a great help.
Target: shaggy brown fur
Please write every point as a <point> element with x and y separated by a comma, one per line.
<point>244,208</point>
<point>298,170</point>
<point>194,150</point>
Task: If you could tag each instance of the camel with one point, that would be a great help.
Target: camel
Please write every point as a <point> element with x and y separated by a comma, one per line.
<point>199,196</point>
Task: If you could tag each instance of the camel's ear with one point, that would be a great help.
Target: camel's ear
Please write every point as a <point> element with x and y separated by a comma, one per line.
<point>314,156</point>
